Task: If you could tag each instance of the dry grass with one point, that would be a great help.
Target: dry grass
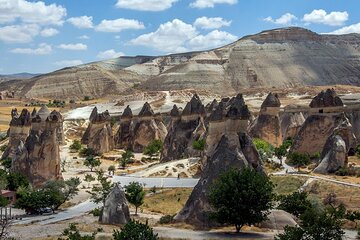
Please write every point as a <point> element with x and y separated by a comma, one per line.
<point>287,184</point>
<point>168,201</point>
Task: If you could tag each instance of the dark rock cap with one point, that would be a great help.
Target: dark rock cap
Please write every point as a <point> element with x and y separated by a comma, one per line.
<point>212,106</point>
<point>14,113</point>
<point>22,120</point>
<point>238,109</point>
<point>146,111</point>
<point>95,117</point>
<point>195,106</point>
<point>329,98</point>
<point>175,111</point>
<point>55,116</point>
<point>127,113</point>
<point>33,113</point>
<point>272,100</point>
<point>218,114</point>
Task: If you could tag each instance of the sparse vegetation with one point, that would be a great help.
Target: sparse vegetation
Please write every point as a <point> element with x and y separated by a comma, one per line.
<point>285,185</point>
<point>265,149</point>
<point>3,147</point>
<point>295,203</point>
<point>199,145</point>
<point>101,191</point>
<point>167,219</point>
<point>6,163</point>
<point>298,159</point>
<point>126,158</point>
<point>91,162</point>
<point>89,178</point>
<point>111,170</point>
<point>153,148</point>
<point>86,152</point>
<point>135,230</point>
<point>76,145</point>
<point>72,233</point>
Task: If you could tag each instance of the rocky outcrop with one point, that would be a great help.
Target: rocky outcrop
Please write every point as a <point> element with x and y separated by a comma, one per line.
<point>116,208</point>
<point>38,157</point>
<point>327,98</point>
<point>19,130</point>
<point>184,131</point>
<point>337,146</point>
<point>148,127</point>
<point>290,124</point>
<point>267,125</point>
<point>228,154</point>
<point>124,135</point>
<point>99,135</point>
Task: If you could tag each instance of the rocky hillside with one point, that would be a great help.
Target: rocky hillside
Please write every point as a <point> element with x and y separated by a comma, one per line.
<point>280,58</point>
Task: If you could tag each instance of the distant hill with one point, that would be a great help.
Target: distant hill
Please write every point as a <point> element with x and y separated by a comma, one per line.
<point>280,58</point>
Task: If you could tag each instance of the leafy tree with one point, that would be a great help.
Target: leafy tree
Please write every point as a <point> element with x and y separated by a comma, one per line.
<point>135,230</point>
<point>92,162</point>
<point>111,169</point>
<point>135,194</point>
<point>3,179</point>
<point>153,148</point>
<point>3,202</point>
<point>241,197</point>
<point>126,157</point>
<point>76,145</point>
<point>89,178</point>
<point>295,203</point>
<point>72,233</point>
<point>266,150</point>
<point>199,145</point>
<point>16,180</point>
<point>298,159</point>
<point>280,152</point>
<point>100,192</point>
<point>6,163</point>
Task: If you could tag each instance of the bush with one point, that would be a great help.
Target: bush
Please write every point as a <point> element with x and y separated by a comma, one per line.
<point>3,136</point>
<point>135,230</point>
<point>298,159</point>
<point>295,203</point>
<point>153,148</point>
<point>87,152</point>
<point>87,98</point>
<point>167,219</point>
<point>76,145</point>
<point>96,212</point>
<point>72,233</point>
<point>347,171</point>
<point>266,150</point>
<point>3,147</point>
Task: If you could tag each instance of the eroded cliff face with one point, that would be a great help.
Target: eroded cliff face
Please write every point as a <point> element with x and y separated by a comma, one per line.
<point>99,135</point>
<point>290,123</point>
<point>184,130</point>
<point>125,134</point>
<point>38,157</point>
<point>267,125</point>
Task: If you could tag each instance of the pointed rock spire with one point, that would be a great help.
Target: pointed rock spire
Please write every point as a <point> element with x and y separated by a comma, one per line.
<point>195,106</point>
<point>127,112</point>
<point>175,111</point>
<point>146,111</point>
<point>272,100</point>
<point>329,98</point>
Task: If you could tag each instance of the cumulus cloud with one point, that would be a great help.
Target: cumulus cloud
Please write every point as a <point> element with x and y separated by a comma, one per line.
<point>75,46</point>
<point>215,38</point>
<point>31,12</point>
<point>84,37</point>
<point>211,23</point>
<point>49,32</point>
<point>68,63</point>
<point>169,37</point>
<point>111,53</point>
<point>178,36</point>
<point>285,19</point>
<point>210,3</point>
<point>355,28</point>
<point>43,49</point>
<point>119,25</point>
<point>19,33</point>
<point>322,17</point>
<point>146,5</point>
<point>81,22</point>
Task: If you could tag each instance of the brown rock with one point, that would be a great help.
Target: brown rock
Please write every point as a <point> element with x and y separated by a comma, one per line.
<point>329,98</point>
<point>125,133</point>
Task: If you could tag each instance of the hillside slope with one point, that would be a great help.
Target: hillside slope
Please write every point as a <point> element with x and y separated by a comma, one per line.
<point>280,58</point>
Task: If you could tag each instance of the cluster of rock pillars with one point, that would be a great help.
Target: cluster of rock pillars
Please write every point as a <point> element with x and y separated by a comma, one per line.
<point>227,126</point>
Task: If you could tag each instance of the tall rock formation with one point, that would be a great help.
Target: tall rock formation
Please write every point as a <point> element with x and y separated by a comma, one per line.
<point>99,135</point>
<point>184,130</point>
<point>267,124</point>
<point>19,130</point>
<point>325,116</point>
<point>124,136</point>
<point>116,207</point>
<point>290,123</point>
<point>39,157</point>
<point>337,146</point>
<point>149,127</point>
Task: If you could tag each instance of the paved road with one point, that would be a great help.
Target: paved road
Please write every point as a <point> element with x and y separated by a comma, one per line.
<point>158,182</point>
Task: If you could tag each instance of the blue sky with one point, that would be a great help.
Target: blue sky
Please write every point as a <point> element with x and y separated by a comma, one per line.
<point>42,36</point>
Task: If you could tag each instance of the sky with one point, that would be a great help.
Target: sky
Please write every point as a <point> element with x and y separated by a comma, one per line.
<point>43,36</point>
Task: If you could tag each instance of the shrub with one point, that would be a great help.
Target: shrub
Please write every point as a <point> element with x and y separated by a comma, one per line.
<point>96,212</point>
<point>266,150</point>
<point>167,219</point>
<point>87,98</point>
<point>3,147</point>
<point>135,230</point>
<point>86,152</point>
<point>298,159</point>
<point>76,145</point>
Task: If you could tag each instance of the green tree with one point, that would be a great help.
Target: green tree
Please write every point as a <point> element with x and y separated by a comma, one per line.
<point>76,145</point>
<point>92,162</point>
<point>100,192</point>
<point>199,145</point>
<point>126,157</point>
<point>295,203</point>
<point>135,230</point>
<point>3,201</point>
<point>241,197</point>
<point>266,150</point>
<point>72,233</point>
<point>16,180</point>
<point>89,178</point>
<point>298,159</point>
<point>3,147</point>
<point>6,163</point>
<point>153,148</point>
<point>135,194</point>
<point>111,170</point>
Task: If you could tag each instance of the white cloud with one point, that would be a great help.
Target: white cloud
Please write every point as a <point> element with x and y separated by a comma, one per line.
<point>111,53</point>
<point>285,19</point>
<point>19,33</point>
<point>49,32</point>
<point>75,46</point>
<point>43,49</point>
<point>84,37</point>
<point>321,16</point>
<point>215,38</point>
<point>211,23</point>
<point>355,28</point>
<point>169,37</point>
<point>146,5</point>
<point>81,22</point>
<point>119,25</point>
<point>210,3</point>
<point>68,63</point>
<point>31,12</point>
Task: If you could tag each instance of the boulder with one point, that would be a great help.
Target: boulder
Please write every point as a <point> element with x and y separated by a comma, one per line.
<point>116,207</point>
